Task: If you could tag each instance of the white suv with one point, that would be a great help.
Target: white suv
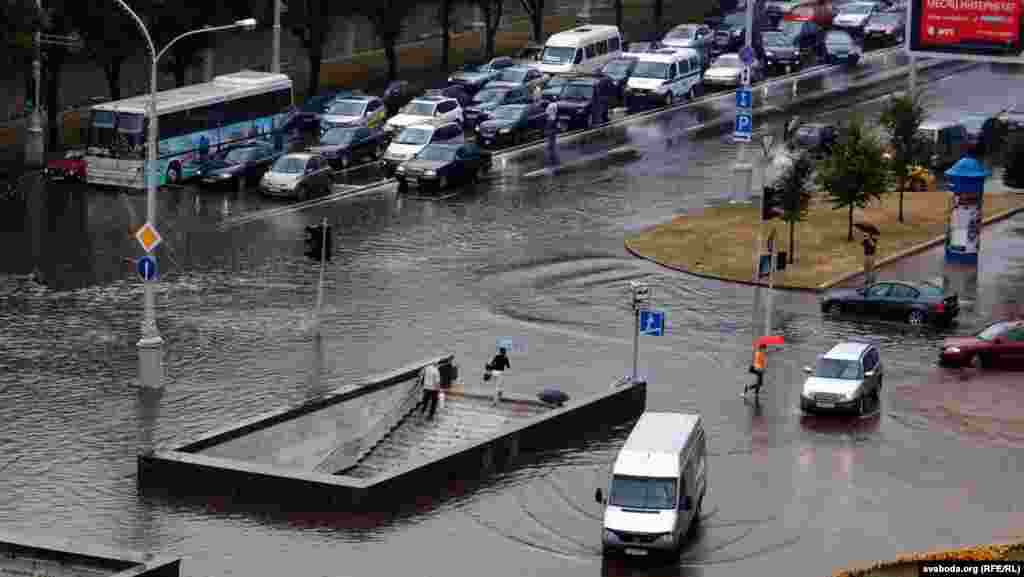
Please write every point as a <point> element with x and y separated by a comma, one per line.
<point>412,139</point>
<point>847,377</point>
<point>422,109</point>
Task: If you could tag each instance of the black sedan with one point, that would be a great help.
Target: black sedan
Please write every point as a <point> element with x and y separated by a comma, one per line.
<point>488,99</point>
<point>729,34</point>
<point>841,48</point>
<point>237,166</point>
<point>585,102</point>
<point>885,28</point>
<point>553,87</point>
<point>618,71</point>
<point>512,124</point>
<point>817,138</point>
<point>342,145</point>
<point>438,165</point>
<point>782,53</point>
<point>915,303</point>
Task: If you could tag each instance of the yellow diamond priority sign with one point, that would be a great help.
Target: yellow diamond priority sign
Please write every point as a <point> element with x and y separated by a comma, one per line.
<point>148,237</point>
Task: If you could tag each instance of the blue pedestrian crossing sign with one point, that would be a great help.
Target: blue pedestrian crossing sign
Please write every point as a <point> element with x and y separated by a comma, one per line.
<point>744,98</point>
<point>146,267</point>
<point>652,323</point>
<point>744,126</point>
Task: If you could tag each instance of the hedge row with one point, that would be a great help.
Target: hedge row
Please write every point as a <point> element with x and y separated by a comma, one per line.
<point>976,553</point>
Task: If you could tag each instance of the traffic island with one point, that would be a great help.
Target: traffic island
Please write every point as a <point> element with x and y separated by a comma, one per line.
<point>719,242</point>
<point>32,557</point>
<point>909,565</point>
<point>365,446</point>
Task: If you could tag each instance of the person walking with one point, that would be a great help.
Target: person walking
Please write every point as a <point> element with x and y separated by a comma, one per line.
<point>498,365</point>
<point>431,378</point>
<point>790,129</point>
<point>552,115</point>
<point>870,246</point>
<point>757,368</point>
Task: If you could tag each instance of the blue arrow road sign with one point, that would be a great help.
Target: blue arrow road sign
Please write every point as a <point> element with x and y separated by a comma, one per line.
<point>652,323</point>
<point>744,98</point>
<point>146,267</point>
<point>747,55</point>
<point>744,126</point>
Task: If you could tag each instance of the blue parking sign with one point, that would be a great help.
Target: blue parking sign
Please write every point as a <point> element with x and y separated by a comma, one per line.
<point>652,323</point>
<point>744,126</point>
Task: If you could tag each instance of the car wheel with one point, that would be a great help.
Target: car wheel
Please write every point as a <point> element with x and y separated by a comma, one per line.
<point>981,361</point>
<point>691,93</point>
<point>916,317</point>
<point>173,174</point>
<point>862,405</point>
<point>442,183</point>
<point>668,99</point>
<point>380,150</point>
<point>403,186</point>
<point>835,309</point>
<point>239,183</point>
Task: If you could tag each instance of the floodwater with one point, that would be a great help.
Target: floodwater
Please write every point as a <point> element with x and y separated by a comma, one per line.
<point>538,260</point>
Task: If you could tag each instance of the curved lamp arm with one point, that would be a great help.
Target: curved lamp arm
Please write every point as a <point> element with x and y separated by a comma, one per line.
<point>247,23</point>
<point>142,26</point>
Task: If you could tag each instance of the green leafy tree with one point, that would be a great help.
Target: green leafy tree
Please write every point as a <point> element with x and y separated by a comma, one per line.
<point>311,22</point>
<point>388,19</point>
<point>855,173</point>
<point>535,9</point>
<point>794,184</point>
<point>901,119</point>
<point>103,26</point>
<point>492,12</point>
<point>444,17</point>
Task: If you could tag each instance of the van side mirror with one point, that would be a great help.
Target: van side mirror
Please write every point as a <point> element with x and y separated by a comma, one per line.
<point>686,504</point>
<point>599,496</point>
<point>808,370</point>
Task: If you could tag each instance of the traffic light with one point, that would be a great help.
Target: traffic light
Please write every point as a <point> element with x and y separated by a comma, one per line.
<point>328,239</point>
<point>314,242</point>
<point>771,203</point>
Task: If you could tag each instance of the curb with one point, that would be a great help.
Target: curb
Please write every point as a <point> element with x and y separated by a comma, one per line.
<point>917,248</point>
<point>829,284</point>
<point>997,552</point>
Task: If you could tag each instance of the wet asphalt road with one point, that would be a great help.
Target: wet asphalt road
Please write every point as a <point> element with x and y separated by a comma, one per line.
<point>536,259</point>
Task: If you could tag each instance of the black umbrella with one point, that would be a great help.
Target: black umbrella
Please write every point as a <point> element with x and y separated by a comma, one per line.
<point>868,229</point>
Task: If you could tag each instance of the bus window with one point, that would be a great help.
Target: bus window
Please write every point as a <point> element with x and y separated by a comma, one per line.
<point>579,57</point>
<point>613,44</point>
<point>591,51</point>
<point>602,47</point>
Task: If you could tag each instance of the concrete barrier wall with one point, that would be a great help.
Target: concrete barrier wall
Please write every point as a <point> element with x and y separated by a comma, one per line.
<point>70,555</point>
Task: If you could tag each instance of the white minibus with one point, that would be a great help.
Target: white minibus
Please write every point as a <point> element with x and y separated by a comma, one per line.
<point>581,50</point>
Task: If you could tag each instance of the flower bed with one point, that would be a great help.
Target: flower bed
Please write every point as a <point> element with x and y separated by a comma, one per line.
<point>910,561</point>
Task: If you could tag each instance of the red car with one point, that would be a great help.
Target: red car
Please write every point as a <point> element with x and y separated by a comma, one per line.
<point>71,167</point>
<point>1000,344</point>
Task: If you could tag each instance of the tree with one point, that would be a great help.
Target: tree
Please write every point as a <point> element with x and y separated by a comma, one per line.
<point>445,20</point>
<point>19,19</point>
<point>618,14</point>
<point>103,25</point>
<point>167,19</point>
<point>388,19</point>
<point>855,173</point>
<point>535,9</point>
<point>311,21</point>
<point>793,185</point>
<point>659,10</point>
<point>901,119</point>
<point>492,11</point>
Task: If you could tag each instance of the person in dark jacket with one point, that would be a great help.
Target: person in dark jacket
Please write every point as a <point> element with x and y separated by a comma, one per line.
<point>498,365</point>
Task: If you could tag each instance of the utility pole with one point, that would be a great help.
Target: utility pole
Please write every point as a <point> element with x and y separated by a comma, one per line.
<point>743,170</point>
<point>641,294</point>
<point>275,64</point>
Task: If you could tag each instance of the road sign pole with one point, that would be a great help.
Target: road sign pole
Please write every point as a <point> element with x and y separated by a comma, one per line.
<point>636,340</point>
<point>320,286</point>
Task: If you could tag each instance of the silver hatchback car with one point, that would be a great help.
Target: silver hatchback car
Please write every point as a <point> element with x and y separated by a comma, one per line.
<point>297,175</point>
<point>847,378</point>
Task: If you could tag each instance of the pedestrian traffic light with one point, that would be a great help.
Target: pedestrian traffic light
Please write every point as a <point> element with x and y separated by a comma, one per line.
<point>771,203</point>
<point>314,242</point>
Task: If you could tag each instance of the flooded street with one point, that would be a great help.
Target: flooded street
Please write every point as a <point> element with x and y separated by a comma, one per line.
<point>537,259</point>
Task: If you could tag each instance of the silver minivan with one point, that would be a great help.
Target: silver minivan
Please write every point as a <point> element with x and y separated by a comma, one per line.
<point>657,487</point>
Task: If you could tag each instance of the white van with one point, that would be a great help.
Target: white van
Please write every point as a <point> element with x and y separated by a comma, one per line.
<point>583,49</point>
<point>657,487</point>
<point>664,76</point>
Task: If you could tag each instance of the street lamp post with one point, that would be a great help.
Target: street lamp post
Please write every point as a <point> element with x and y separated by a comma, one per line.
<point>35,153</point>
<point>275,64</point>
<point>151,344</point>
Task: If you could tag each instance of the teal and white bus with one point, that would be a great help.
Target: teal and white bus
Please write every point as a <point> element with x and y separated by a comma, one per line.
<point>193,121</point>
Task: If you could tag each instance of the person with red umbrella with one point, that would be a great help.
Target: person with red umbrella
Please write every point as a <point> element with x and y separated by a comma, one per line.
<point>759,365</point>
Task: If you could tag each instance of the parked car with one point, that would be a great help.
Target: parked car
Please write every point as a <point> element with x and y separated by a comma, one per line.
<point>585,102</point>
<point>490,98</point>
<point>730,34</point>
<point>944,141</point>
<point>726,71</point>
<point>782,53</point>
<point>438,165</point>
<point>70,168</point>
<point>916,303</point>
<point>643,46</point>
<point>355,111</point>
<point>853,17</point>
<point>1000,344</point>
<point>512,124</point>
<point>885,28</point>
<point>847,377</point>
<point>520,77</point>
<point>663,77</point>
<point>817,138</point>
<point>456,91</point>
<point>342,145</point>
<point>297,175</point>
<point>473,78</point>
<point>553,87</point>
<point>619,71</point>
<point>696,36</point>
<point>842,48</point>
<point>415,138</point>
<point>777,9</point>
<point>396,95</point>
<point>422,109</point>
<point>237,166</point>
<point>808,37</point>
<point>307,116</point>
<point>974,123</point>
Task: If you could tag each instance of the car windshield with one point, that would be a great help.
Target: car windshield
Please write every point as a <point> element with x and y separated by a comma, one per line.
<point>338,136</point>
<point>289,165</point>
<point>491,95</point>
<point>578,92</point>
<point>682,33</point>
<point>617,67</point>
<point>558,55</point>
<point>730,61</point>
<point>857,9</point>
<point>837,369</point>
<point>776,39</point>
<point>973,123</point>
<point>887,18</point>
<point>837,40</point>
<point>994,331</point>
<point>413,135</point>
<point>347,108</point>
<point>437,153</point>
<point>509,112</point>
<point>510,75</point>
<point>643,492</point>
<point>651,70</point>
<point>734,20</point>
<point>236,155</point>
<point>419,108</point>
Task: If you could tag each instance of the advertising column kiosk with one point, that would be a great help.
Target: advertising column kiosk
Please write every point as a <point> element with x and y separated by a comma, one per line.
<point>966,180</point>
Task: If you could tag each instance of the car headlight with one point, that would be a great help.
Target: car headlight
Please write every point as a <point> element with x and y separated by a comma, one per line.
<point>429,173</point>
<point>769,53</point>
<point>665,538</point>
<point>505,130</point>
<point>451,79</point>
<point>224,175</point>
<point>400,169</point>
<point>954,350</point>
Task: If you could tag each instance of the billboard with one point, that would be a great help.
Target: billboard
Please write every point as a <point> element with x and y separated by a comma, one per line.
<point>978,30</point>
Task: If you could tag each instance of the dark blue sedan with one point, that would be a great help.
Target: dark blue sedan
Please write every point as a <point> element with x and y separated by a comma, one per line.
<point>438,165</point>
<point>342,145</point>
<point>238,165</point>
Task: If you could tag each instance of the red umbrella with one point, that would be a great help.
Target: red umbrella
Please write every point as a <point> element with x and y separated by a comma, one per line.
<point>770,340</point>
